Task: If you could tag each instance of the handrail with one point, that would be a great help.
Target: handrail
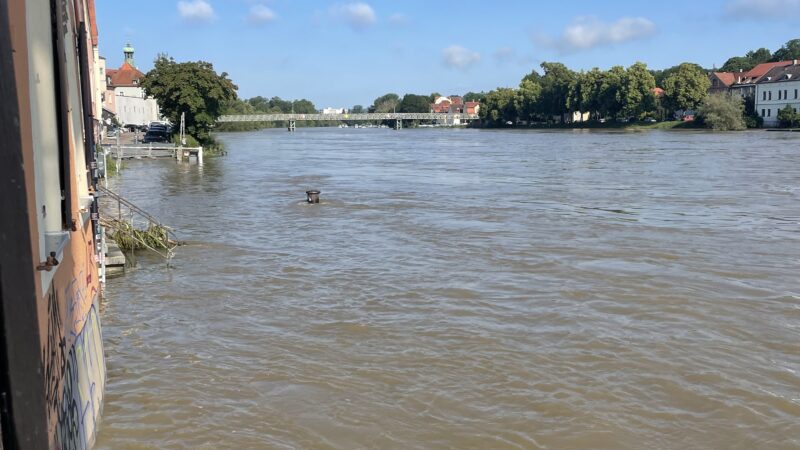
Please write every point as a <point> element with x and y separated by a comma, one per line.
<point>134,208</point>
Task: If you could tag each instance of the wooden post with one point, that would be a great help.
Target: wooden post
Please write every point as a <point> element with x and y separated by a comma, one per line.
<point>200,156</point>
<point>312,196</point>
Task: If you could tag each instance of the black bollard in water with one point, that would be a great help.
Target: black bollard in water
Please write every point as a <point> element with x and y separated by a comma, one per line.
<point>312,196</point>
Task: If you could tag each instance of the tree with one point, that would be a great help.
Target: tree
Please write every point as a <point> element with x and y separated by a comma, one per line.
<point>385,103</point>
<point>412,103</point>
<point>636,96</point>
<point>746,62</point>
<point>608,102</point>
<point>788,117</point>
<point>555,83</point>
<point>526,99</point>
<point>303,107</point>
<point>259,103</point>
<point>498,107</point>
<point>193,88</point>
<point>789,51</point>
<point>686,88</point>
<point>473,96</point>
<point>357,109</point>
<point>722,112</point>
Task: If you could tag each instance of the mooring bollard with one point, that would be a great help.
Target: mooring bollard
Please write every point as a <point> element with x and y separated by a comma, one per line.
<point>312,196</point>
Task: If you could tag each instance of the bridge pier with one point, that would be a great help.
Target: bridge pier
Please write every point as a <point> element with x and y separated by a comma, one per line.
<point>398,124</point>
<point>292,125</point>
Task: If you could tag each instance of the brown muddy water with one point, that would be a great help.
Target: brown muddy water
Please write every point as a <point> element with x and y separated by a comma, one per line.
<point>464,289</point>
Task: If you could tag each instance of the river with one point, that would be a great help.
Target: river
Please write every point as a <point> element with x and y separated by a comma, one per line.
<point>464,289</point>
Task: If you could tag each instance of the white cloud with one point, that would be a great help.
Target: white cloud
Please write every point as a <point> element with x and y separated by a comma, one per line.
<point>358,16</point>
<point>763,9</point>
<point>458,57</point>
<point>196,11</point>
<point>260,14</point>
<point>585,33</point>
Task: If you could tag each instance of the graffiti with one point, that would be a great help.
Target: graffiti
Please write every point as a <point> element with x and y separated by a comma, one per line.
<point>82,389</point>
<point>54,351</point>
<point>74,371</point>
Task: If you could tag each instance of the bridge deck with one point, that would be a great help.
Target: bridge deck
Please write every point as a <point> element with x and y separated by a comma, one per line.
<point>345,117</point>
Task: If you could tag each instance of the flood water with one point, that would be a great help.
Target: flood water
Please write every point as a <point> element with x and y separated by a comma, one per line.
<point>464,289</point>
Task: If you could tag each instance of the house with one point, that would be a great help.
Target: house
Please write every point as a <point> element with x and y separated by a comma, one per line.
<point>472,107</point>
<point>776,89</point>
<point>448,105</point>
<point>745,82</point>
<point>53,369</point>
<point>124,95</point>
<point>720,82</point>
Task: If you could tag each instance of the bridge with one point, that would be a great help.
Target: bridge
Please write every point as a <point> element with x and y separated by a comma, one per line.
<point>451,119</point>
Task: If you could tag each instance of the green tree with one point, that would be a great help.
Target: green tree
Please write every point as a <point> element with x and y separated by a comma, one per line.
<point>636,96</point>
<point>722,112</point>
<point>279,105</point>
<point>498,107</point>
<point>609,95</point>
<point>473,96</point>
<point>555,83</point>
<point>746,62</point>
<point>357,109</point>
<point>686,88</point>
<point>259,103</point>
<point>413,103</point>
<point>788,117</point>
<point>304,107</point>
<point>526,99</point>
<point>385,104</point>
<point>788,52</point>
<point>193,88</point>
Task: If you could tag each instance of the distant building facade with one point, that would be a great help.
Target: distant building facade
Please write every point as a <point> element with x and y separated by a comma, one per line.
<point>778,88</point>
<point>124,95</point>
<point>334,111</point>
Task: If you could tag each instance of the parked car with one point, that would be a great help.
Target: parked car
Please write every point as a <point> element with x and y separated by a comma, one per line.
<point>155,136</point>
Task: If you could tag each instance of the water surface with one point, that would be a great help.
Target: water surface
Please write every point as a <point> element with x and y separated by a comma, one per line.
<point>464,289</point>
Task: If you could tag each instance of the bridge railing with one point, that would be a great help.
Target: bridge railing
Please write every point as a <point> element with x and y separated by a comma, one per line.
<point>345,117</point>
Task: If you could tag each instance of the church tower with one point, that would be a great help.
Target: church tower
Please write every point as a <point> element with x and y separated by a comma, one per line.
<point>128,51</point>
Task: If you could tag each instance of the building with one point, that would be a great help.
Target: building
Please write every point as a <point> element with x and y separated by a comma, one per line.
<point>334,111</point>
<point>742,83</point>
<point>776,89</point>
<point>124,95</point>
<point>448,105</point>
<point>52,370</point>
<point>472,107</point>
<point>720,82</point>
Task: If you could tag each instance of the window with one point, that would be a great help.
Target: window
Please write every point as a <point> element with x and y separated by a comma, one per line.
<point>779,94</point>
<point>765,95</point>
<point>769,112</point>
<point>795,94</point>
<point>784,95</point>
<point>770,95</point>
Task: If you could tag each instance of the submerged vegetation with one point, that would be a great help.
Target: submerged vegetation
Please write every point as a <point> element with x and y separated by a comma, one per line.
<point>155,237</point>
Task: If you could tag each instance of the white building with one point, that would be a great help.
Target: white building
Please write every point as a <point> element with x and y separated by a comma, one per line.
<point>776,89</point>
<point>126,98</point>
<point>334,111</point>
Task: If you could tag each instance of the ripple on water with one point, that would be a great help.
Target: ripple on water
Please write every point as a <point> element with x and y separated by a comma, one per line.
<point>463,289</point>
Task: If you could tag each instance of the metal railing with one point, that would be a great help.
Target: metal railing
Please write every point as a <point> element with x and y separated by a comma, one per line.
<point>345,117</point>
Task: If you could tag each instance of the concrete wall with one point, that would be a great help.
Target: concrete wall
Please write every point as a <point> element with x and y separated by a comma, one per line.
<point>71,370</point>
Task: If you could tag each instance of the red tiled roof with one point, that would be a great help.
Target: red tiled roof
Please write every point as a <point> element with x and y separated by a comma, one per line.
<point>727,78</point>
<point>657,91</point>
<point>761,69</point>
<point>124,76</point>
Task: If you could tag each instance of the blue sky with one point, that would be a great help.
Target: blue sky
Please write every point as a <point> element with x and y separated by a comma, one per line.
<point>339,54</point>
